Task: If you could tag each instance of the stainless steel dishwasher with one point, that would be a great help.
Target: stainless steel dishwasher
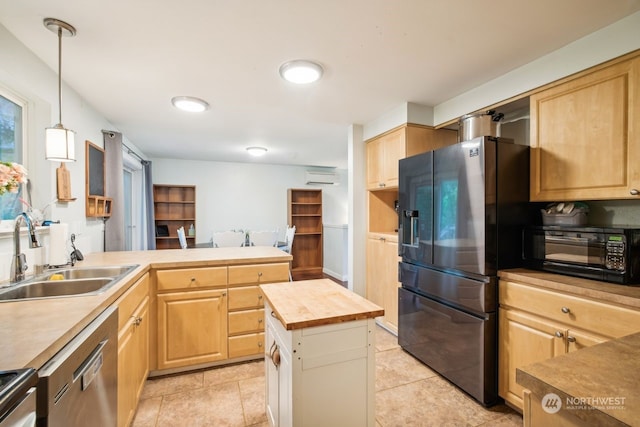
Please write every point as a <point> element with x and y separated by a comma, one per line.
<point>78,386</point>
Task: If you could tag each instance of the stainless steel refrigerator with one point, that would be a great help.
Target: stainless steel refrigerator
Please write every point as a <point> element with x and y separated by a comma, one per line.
<point>461,213</point>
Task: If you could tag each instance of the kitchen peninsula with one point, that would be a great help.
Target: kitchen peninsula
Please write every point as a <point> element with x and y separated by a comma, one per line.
<point>34,330</point>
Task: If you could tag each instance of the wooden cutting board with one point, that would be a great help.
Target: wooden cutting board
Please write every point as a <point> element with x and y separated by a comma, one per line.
<point>64,183</point>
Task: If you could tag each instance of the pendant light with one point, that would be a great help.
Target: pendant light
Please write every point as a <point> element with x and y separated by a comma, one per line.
<point>59,141</point>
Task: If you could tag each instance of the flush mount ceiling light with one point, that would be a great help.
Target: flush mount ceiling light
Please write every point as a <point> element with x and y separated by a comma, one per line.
<point>257,151</point>
<point>190,104</point>
<point>301,71</point>
<point>59,141</point>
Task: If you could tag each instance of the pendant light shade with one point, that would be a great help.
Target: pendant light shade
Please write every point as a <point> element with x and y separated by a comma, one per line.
<point>60,144</point>
<point>59,141</point>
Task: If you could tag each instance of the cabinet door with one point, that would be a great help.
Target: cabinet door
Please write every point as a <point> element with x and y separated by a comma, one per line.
<point>394,150</point>
<point>584,145</point>
<point>391,284</point>
<point>271,378</point>
<point>376,270</point>
<point>524,340</point>
<point>375,164</point>
<point>192,328</point>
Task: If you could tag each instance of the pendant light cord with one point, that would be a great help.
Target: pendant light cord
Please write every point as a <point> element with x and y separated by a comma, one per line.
<point>60,75</point>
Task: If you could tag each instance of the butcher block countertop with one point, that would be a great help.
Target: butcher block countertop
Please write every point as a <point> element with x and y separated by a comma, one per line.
<point>319,302</point>
<point>32,331</point>
<point>607,292</point>
<point>606,376</point>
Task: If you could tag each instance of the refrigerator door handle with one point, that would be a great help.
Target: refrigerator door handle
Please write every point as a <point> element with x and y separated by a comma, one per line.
<point>410,221</point>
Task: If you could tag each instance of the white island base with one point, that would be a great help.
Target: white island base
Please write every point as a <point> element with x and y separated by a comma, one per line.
<point>320,375</point>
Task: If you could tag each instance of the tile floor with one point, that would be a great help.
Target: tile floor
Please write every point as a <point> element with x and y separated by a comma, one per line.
<point>407,394</point>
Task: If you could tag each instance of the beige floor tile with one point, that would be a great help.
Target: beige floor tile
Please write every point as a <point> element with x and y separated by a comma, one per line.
<point>171,384</point>
<point>385,340</point>
<point>512,419</point>
<point>218,405</point>
<point>253,400</point>
<point>147,412</point>
<point>396,367</point>
<point>237,372</point>
<point>433,402</point>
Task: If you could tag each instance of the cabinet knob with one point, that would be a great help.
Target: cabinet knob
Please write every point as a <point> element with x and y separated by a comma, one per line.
<point>193,279</point>
<point>259,320</point>
<point>382,239</point>
<point>565,310</point>
<point>259,297</point>
<point>381,184</point>
<point>260,274</point>
<point>559,334</point>
<point>259,343</point>
<point>571,339</point>
<point>224,294</point>
<point>634,192</point>
<point>273,315</point>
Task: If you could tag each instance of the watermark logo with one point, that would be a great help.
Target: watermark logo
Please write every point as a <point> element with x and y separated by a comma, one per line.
<point>551,403</point>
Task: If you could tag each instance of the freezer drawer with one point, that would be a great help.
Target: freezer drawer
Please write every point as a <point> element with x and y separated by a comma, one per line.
<point>476,296</point>
<point>459,346</point>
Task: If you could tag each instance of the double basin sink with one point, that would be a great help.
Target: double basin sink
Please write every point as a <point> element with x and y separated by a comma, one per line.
<point>66,282</point>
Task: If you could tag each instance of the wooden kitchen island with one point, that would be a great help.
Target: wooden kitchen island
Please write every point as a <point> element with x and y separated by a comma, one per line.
<point>320,355</point>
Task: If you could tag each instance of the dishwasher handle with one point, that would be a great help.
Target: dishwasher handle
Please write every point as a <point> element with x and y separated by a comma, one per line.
<point>91,366</point>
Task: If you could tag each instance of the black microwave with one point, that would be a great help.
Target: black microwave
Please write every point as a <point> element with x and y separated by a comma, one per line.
<point>610,254</point>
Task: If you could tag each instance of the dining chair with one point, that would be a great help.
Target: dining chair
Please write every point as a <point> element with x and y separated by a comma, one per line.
<point>228,239</point>
<point>288,239</point>
<point>263,238</point>
<point>288,244</point>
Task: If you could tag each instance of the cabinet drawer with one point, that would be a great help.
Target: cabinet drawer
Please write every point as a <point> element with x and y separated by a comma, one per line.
<point>245,297</point>
<point>246,345</point>
<point>258,273</point>
<point>131,299</point>
<point>242,322</point>
<point>605,319</point>
<point>191,278</point>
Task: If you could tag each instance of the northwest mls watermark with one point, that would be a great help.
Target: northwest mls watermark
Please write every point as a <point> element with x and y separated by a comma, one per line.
<point>552,403</point>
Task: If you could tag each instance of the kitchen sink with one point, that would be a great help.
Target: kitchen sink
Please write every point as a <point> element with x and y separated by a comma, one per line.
<point>90,272</point>
<point>67,282</point>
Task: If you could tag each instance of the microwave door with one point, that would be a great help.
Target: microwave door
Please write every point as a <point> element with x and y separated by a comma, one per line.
<point>415,209</point>
<point>459,207</point>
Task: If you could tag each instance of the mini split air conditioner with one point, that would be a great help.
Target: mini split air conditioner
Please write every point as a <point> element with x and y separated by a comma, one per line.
<point>321,178</point>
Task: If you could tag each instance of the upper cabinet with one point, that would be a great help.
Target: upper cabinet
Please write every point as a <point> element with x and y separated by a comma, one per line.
<point>384,151</point>
<point>585,135</point>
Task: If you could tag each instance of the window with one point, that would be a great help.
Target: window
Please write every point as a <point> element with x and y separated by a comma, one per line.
<point>12,125</point>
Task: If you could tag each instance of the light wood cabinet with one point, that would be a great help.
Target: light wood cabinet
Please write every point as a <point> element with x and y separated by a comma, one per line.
<point>383,154</point>
<point>191,316</point>
<point>382,276</point>
<point>304,211</point>
<point>133,348</point>
<point>384,151</point>
<point>192,328</point>
<point>584,135</point>
<point>174,207</point>
<point>536,324</point>
<point>246,306</point>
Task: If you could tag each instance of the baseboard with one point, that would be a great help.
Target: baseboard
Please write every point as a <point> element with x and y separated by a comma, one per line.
<point>334,275</point>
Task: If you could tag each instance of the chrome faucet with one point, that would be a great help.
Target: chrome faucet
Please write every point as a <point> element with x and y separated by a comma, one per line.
<point>19,262</point>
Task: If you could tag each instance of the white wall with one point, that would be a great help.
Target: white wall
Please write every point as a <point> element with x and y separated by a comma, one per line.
<point>249,195</point>
<point>32,80</point>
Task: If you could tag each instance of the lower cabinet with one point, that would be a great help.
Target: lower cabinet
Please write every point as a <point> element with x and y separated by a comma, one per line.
<point>536,324</point>
<point>320,376</point>
<point>192,328</point>
<point>382,277</point>
<point>133,348</point>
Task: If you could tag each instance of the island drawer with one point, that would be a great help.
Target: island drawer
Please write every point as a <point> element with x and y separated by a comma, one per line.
<point>574,311</point>
<point>193,278</point>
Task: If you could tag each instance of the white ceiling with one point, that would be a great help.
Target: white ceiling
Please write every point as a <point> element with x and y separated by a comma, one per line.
<point>130,57</point>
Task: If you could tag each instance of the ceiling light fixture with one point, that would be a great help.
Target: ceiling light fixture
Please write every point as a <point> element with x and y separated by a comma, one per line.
<point>301,71</point>
<point>59,141</point>
<point>190,104</point>
<point>257,151</point>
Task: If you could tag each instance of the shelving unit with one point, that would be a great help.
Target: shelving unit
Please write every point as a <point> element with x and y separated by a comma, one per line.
<point>174,207</point>
<point>304,210</point>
